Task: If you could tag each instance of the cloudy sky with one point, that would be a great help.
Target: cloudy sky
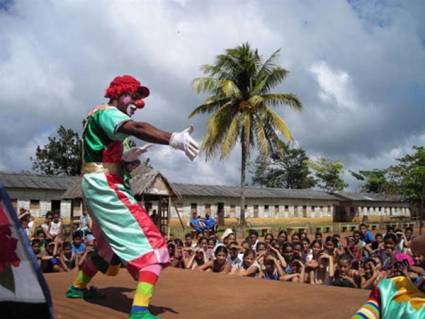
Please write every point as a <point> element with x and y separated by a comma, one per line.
<point>357,66</point>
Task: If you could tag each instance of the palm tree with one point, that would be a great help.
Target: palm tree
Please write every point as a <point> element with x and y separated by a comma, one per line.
<point>240,101</point>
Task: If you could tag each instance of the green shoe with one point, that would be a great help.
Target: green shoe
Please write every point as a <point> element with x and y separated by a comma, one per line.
<point>82,293</point>
<point>142,315</point>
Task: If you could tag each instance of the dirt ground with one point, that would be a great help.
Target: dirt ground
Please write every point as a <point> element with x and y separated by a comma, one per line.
<point>188,294</point>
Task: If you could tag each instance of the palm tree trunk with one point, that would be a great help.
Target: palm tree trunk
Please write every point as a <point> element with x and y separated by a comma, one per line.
<point>421,215</point>
<point>243,167</point>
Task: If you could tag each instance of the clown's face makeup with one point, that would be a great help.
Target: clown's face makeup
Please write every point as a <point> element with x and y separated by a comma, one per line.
<point>125,99</point>
<point>131,109</point>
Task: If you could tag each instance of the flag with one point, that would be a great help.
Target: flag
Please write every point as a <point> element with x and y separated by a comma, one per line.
<point>23,290</point>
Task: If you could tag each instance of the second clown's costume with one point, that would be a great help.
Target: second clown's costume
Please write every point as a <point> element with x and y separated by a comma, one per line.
<point>123,230</point>
<point>394,298</point>
<point>397,297</point>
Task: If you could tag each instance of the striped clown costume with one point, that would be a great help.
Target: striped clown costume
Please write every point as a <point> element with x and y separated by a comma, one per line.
<point>124,232</point>
<point>397,297</point>
<point>392,298</point>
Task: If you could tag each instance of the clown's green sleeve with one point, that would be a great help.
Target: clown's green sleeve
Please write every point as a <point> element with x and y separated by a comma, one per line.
<point>394,298</point>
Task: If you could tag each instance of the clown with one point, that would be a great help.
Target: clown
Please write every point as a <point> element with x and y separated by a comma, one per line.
<point>397,297</point>
<point>123,230</point>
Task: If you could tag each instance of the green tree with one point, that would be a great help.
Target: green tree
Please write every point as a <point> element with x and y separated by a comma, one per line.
<point>239,86</point>
<point>60,156</point>
<point>374,181</point>
<point>328,174</point>
<point>288,169</point>
<point>408,179</point>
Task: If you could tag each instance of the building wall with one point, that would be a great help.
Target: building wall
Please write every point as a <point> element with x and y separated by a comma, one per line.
<point>261,208</point>
<point>40,201</point>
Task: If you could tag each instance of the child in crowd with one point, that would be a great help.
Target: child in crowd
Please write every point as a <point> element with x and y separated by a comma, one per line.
<point>253,239</point>
<point>35,244</point>
<point>68,257</point>
<point>282,237</point>
<point>272,268</point>
<point>219,263</point>
<point>296,272</point>
<point>85,223</point>
<point>55,227</point>
<point>345,276</point>
<point>175,249</point>
<point>198,259</point>
<point>249,266</point>
<point>46,225</point>
<point>50,261</point>
<point>268,238</point>
<point>40,235</point>
<point>369,275</point>
<point>234,257</point>
<point>78,247</point>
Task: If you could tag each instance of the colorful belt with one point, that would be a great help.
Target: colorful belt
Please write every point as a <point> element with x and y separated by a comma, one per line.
<point>96,167</point>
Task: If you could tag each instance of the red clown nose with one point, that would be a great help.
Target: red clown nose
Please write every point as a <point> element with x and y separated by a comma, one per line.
<point>140,104</point>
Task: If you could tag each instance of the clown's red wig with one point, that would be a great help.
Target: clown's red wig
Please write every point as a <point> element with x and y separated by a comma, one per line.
<point>121,85</point>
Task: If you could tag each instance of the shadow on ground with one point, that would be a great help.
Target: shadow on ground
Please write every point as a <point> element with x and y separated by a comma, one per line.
<point>116,298</point>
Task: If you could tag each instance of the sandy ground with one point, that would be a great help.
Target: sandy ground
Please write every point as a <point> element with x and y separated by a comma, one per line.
<point>187,294</point>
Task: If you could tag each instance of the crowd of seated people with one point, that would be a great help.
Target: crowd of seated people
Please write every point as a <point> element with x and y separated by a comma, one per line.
<point>53,251</point>
<point>359,260</point>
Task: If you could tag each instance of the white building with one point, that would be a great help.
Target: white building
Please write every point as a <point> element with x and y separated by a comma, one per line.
<point>40,194</point>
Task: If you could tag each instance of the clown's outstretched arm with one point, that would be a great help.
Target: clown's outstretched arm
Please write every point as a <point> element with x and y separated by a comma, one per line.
<point>149,133</point>
<point>145,132</point>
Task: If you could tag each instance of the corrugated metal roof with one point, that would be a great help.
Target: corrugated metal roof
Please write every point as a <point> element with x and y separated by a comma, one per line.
<point>145,177</point>
<point>250,192</point>
<point>369,197</point>
<point>25,180</point>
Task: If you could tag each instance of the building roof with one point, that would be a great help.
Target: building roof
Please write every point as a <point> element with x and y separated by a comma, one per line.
<point>144,177</point>
<point>32,181</point>
<point>250,192</point>
<point>369,197</point>
<point>142,180</point>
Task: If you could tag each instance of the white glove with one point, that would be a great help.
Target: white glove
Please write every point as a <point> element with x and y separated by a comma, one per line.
<point>183,141</point>
<point>135,152</point>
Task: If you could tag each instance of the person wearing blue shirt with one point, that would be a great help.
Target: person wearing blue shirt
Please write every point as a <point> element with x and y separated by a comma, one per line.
<point>366,234</point>
<point>78,247</point>
<point>209,222</point>
<point>195,223</point>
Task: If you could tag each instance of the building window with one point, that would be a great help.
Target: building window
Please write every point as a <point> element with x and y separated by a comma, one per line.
<point>208,209</point>
<point>313,208</point>
<point>276,208</point>
<point>232,209</point>
<point>193,207</point>
<point>286,208</point>
<point>34,204</point>
<point>266,208</point>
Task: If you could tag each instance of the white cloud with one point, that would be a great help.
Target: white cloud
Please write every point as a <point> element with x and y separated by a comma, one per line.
<point>335,86</point>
